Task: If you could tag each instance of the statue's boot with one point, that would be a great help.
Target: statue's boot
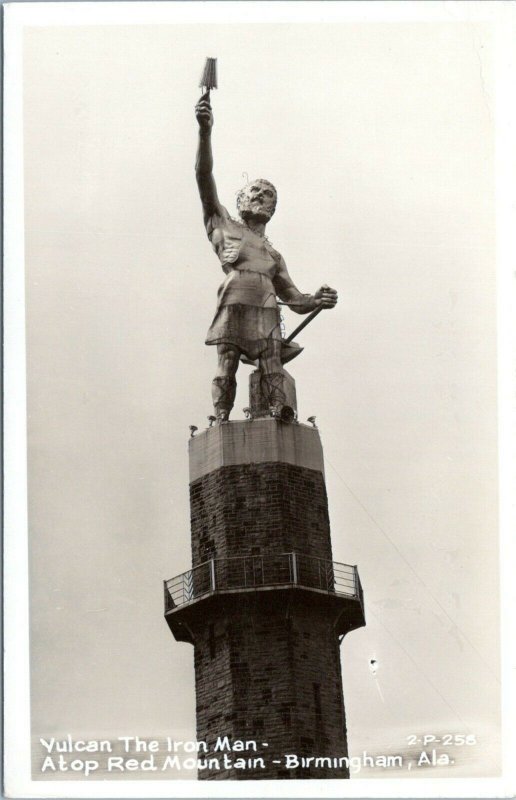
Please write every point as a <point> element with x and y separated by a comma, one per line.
<point>271,385</point>
<point>223,393</point>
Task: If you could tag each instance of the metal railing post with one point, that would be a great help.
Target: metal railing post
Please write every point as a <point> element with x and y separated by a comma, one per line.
<point>294,568</point>
<point>212,574</point>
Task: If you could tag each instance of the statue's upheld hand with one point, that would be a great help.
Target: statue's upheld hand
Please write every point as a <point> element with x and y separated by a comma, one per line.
<point>326,297</point>
<point>204,113</point>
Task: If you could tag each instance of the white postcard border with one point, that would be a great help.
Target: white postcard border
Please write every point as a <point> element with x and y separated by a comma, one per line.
<point>17,710</point>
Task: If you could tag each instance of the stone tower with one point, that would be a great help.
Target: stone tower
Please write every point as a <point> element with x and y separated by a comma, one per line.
<point>264,605</point>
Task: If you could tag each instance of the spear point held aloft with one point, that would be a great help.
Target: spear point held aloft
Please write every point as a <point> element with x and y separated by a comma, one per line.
<point>209,76</point>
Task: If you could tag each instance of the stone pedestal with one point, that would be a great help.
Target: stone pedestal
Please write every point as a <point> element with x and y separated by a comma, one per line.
<point>264,604</point>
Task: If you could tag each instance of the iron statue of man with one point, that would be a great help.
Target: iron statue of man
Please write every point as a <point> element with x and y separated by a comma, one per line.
<point>247,320</point>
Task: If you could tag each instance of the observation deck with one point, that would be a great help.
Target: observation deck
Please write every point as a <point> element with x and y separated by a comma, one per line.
<point>281,578</point>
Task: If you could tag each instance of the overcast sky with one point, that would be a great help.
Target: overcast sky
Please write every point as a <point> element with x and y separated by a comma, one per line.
<point>380,141</point>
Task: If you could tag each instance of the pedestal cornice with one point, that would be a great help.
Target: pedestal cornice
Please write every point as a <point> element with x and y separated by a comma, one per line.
<point>255,442</point>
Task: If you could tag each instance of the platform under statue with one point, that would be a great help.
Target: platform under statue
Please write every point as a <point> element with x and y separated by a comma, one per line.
<point>247,324</point>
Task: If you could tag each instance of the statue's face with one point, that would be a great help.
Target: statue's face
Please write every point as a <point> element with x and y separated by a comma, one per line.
<point>257,200</point>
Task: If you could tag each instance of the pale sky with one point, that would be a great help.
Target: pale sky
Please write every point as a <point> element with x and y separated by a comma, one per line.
<point>380,141</point>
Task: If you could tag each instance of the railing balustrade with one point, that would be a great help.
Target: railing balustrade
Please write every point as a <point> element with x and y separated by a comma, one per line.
<point>254,572</point>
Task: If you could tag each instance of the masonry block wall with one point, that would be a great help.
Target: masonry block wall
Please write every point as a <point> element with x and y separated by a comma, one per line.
<point>259,509</point>
<point>268,669</point>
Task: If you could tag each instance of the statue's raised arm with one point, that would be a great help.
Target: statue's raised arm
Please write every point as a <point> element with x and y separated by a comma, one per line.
<point>204,161</point>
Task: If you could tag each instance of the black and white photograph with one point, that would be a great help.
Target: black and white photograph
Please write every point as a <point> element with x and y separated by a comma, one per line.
<point>257,318</point>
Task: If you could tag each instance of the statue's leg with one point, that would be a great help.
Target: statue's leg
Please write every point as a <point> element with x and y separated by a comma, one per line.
<point>224,383</point>
<point>272,377</point>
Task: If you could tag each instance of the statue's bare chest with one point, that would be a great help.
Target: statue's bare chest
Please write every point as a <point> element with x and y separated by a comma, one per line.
<point>240,248</point>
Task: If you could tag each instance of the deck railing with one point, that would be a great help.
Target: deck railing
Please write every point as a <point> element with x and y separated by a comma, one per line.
<point>255,572</point>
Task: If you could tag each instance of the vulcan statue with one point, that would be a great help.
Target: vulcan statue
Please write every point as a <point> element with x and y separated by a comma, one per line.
<point>247,320</point>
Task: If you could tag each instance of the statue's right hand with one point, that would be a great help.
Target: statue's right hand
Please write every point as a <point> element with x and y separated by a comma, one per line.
<point>204,113</point>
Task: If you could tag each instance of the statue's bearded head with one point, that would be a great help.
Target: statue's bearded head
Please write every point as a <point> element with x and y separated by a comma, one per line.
<point>257,200</point>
